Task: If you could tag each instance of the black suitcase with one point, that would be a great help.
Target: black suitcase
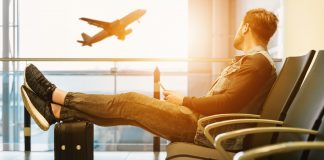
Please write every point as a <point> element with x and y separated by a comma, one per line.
<point>73,141</point>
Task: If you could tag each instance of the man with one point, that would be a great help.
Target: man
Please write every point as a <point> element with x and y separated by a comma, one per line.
<point>241,87</point>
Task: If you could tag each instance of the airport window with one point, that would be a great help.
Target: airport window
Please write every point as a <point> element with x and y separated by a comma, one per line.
<point>50,29</point>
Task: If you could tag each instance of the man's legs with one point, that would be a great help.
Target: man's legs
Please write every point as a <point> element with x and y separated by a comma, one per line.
<point>159,117</point>
<point>162,118</point>
<point>72,115</point>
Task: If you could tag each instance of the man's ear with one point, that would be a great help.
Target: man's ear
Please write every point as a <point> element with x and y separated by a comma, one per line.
<point>245,28</point>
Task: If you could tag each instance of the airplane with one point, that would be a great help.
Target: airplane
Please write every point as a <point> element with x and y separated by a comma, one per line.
<point>117,28</point>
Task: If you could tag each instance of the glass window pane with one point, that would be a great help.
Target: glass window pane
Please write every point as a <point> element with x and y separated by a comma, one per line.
<point>1,108</point>
<point>54,29</point>
<point>1,12</point>
<point>53,32</point>
<point>1,45</point>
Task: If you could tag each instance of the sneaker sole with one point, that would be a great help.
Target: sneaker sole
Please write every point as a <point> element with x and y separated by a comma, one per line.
<point>25,82</point>
<point>38,118</point>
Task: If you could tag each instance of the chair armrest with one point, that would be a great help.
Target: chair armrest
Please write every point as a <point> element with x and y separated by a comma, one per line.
<point>276,149</point>
<point>201,120</point>
<point>232,134</point>
<point>235,121</point>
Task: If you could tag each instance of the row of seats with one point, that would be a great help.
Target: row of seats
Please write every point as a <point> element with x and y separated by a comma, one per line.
<point>290,122</point>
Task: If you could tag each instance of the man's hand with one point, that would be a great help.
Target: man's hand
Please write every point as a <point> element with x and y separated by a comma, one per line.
<point>173,97</point>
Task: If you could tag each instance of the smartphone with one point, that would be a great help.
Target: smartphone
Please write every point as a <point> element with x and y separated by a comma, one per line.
<point>162,87</point>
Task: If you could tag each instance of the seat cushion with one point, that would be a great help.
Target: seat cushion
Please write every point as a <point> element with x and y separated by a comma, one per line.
<point>190,151</point>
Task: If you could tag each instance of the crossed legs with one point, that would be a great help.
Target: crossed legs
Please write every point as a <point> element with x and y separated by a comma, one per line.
<point>158,117</point>
<point>58,97</point>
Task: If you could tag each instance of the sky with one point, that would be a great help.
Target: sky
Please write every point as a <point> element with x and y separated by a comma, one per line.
<point>51,28</point>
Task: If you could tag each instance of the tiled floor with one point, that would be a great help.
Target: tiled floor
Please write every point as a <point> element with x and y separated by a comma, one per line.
<point>4,155</point>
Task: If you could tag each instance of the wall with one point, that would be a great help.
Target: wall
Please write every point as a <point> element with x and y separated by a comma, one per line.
<point>221,37</point>
<point>209,26</point>
<point>200,45</point>
<point>303,26</point>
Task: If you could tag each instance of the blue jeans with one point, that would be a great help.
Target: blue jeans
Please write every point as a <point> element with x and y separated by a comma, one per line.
<point>164,119</point>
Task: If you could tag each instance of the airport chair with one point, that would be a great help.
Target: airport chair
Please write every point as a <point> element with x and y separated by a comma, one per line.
<point>280,148</point>
<point>316,152</point>
<point>303,116</point>
<point>280,96</point>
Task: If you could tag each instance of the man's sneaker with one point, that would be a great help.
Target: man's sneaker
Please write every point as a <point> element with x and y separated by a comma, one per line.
<point>39,109</point>
<point>36,81</point>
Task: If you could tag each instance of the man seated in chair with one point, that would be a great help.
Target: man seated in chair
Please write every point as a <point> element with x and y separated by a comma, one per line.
<point>241,87</point>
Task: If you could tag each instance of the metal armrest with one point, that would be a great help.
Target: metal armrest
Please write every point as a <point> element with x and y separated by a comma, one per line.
<point>232,134</point>
<point>201,120</point>
<point>276,149</point>
<point>235,121</point>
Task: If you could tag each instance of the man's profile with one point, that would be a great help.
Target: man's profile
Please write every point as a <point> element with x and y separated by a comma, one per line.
<point>241,87</point>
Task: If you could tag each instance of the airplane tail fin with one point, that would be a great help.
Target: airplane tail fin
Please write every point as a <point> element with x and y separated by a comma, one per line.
<point>86,40</point>
<point>85,37</point>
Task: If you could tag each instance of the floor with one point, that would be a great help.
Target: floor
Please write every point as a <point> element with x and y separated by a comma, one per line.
<point>5,155</point>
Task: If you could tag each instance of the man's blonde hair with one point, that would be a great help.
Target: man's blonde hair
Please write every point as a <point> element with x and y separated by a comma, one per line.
<point>262,22</point>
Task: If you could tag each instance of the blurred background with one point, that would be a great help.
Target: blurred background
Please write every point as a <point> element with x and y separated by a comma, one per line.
<point>195,35</point>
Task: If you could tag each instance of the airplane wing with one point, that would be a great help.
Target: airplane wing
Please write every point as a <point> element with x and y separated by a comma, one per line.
<point>97,23</point>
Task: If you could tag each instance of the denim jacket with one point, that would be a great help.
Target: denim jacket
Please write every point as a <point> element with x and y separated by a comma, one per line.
<point>240,88</point>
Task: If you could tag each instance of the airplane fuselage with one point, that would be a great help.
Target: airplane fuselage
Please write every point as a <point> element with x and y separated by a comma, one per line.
<point>100,36</point>
<point>117,28</point>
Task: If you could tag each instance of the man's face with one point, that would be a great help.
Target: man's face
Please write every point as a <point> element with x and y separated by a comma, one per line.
<point>239,37</point>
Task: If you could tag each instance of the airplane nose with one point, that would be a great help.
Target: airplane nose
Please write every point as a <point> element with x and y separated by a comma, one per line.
<point>143,11</point>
